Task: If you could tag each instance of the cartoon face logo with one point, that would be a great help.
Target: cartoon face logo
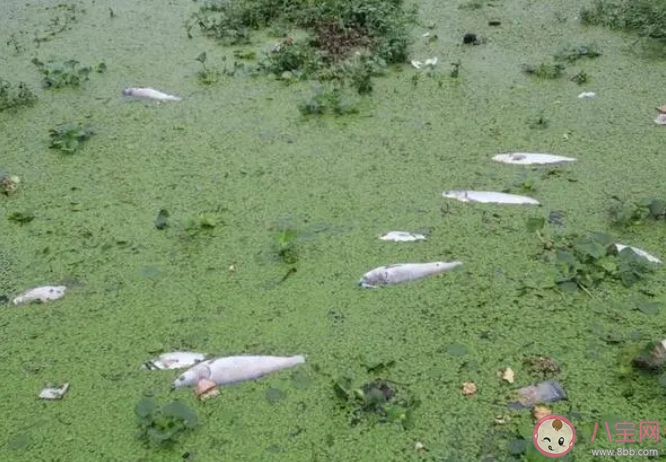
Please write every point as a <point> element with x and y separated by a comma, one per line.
<point>554,436</point>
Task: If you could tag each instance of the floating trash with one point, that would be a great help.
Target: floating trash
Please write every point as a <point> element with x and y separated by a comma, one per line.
<point>225,371</point>
<point>661,119</point>
<point>469,389</point>
<point>40,294</point>
<point>51,392</point>
<point>545,392</point>
<point>402,236</point>
<point>489,197</point>
<point>529,158</point>
<point>507,375</point>
<point>206,389</point>
<point>174,360</point>
<point>404,272</point>
<point>587,95</point>
<point>430,62</point>
<point>639,252</point>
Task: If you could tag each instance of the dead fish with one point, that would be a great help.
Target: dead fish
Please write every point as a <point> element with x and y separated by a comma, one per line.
<point>404,272</point>
<point>232,369</point>
<point>430,62</point>
<point>402,236</point>
<point>544,392</point>
<point>54,392</point>
<point>529,158</point>
<point>149,93</point>
<point>40,294</point>
<point>587,95</point>
<point>487,197</point>
<point>639,252</point>
<point>174,360</point>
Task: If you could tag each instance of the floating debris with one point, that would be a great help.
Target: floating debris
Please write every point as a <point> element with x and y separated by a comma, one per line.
<point>51,392</point>
<point>149,93</point>
<point>662,109</point>
<point>206,389</point>
<point>529,158</point>
<point>174,360</point>
<point>404,272</point>
<point>587,95</point>
<point>9,184</point>
<point>225,371</point>
<point>507,375</point>
<point>40,294</point>
<point>495,22</point>
<point>661,119</point>
<point>545,392</point>
<point>488,197</point>
<point>419,447</point>
<point>543,366</point>
<point>431,62</point>
<point>402,236</point>
<point>470,39</point>
<point>639,252</point>
<point>469,389</point>
<point>539,412</point>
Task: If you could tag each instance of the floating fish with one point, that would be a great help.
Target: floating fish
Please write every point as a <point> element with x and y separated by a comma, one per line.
<point>639,252</point>
<point>232,369</point>
<point>402,236</point>
<point>487,197</point>
<point>149,93</point>
<point>54,392</point>
<point>40,294</point>
<point>545,392</point>
<point>404,272</point>
<point>587,95</point>
<point>529,158</point>
<point>174,360</point>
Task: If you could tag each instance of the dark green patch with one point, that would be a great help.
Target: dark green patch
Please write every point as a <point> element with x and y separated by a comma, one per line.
<point>62,74</point>
<point>645,17</point>
<point>573,54</point>
<point>13,97</point>
<point>21,217</point>
<point>162,426</point>
<point>69,137</point>
<point>161,220</point>
<point>545,70</point>
<point>625,213</point>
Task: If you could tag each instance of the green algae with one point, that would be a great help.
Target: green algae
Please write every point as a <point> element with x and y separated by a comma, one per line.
<point>243,145</point>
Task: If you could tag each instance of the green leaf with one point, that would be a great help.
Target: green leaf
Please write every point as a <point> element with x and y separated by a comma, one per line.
<point>145,407</point>
<point>535,224</point>
<point>179,410</point>
<point>457,350</point>
<point>648,308</point>
<point>657,208</point>
<point>343,387</point>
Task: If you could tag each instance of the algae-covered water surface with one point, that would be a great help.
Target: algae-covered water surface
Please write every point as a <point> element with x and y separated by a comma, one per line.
<point>239,220</point>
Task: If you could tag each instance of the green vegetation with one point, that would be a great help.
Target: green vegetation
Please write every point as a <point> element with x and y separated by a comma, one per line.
<point>346,41</point>
<point>65,15</point>
<point>206,76</point>
<point>327,101</point>
<point>632,213</point>
<point>645,17</point>
<point>284,244</point>
<point>62,74</point>
<point>545,70</point>
<point>162,426</point>
<point>573,54</point>
<point>378,401</point>
<point>12,97</point>
<point>69,137</point>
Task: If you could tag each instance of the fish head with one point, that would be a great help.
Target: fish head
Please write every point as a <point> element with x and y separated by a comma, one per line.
<point>60,290</point>
<point>192,376</point>
<point>454,194</point>
<point>127,91</point>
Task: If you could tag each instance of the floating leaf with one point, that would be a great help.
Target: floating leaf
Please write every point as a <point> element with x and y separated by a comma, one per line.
<point>457,350</point>
<point>648,308</point>
<point>535,224</point>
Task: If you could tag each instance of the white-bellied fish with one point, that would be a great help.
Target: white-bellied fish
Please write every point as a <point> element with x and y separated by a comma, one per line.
<point>404,272</point>
<point>40,294</point>
<point>149,93</point>
<point>531,158</point>
<point>402,236</point>
<point>232,369</point>
<point>639,252</point>
<point>174,360</point>
<point>489,197</point>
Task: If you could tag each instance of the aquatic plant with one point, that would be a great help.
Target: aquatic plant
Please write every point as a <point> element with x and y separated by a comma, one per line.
<point>162,426</point>
<point>327,101</point>
<point>62,74</point>
<point>376,401</point>
<point>647,18</point>
<point>21,217</point>
<point>538,122</point>
<point>630,213</point>
<point>66,15</point>
<point>14,97</point>
<point>204,221</point>
<point>580,78</point>
<point>69,137</point>
<point>161,220</point>
<point>573,54</point>
<point>284,244</point>
<point>545,70</point>
<point>335,30</point>
<point>206,76</point>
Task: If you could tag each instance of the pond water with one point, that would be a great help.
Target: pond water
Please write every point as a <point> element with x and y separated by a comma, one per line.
<point>241,150</point>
